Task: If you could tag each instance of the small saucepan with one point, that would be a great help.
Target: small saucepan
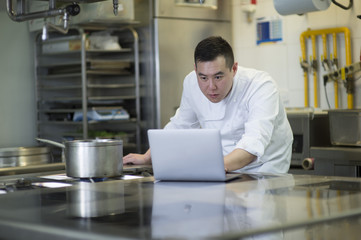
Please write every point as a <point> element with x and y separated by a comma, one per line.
<point>96,158</point>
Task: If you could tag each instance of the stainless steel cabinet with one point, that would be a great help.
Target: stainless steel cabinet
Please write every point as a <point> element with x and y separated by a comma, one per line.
<point>85,91</point>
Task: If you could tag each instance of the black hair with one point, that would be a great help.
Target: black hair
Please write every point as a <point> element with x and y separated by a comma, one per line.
<point>210,48</point>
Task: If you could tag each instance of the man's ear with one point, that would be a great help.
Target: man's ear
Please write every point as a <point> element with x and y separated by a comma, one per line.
<point>234,68</point>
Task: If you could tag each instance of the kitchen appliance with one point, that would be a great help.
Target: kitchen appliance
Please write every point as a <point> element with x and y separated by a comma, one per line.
<point>92,158</point>
<point>343,158</point>
<point>55,8</point>
<point>60,15</point>
<point>337,161</point>
<point>24,156</point>
<point>310,128</point>
<point>178,27</point>
<point>345,127</point>
<point>55,177</point>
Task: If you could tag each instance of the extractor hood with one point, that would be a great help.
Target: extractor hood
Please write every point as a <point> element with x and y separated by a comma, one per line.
<point>55,8</point>
<point>57,14</point>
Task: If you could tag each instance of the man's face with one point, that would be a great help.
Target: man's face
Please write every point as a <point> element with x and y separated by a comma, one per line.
<point>215,79</point>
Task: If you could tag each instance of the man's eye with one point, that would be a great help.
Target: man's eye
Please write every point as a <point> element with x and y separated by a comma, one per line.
<point>218,77</point>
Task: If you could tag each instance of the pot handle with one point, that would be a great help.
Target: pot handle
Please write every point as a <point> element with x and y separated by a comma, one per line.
<point>50,142</point>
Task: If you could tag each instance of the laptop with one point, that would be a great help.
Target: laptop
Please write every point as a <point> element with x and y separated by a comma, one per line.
<point>188,155</point>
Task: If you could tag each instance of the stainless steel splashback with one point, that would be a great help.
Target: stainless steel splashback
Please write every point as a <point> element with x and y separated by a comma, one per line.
<point>177,30</point>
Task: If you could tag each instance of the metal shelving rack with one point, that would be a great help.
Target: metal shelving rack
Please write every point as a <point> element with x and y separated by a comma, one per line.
<point>80,79</point>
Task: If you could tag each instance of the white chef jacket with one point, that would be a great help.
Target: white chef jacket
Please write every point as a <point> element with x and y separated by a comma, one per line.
<point>251,118</point>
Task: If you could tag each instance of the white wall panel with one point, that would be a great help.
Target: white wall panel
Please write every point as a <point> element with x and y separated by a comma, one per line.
<point>17,92</point>
<point>282,60</point>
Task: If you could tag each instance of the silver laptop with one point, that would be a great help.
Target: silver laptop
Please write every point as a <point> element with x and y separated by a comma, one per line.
<point>188,155</point>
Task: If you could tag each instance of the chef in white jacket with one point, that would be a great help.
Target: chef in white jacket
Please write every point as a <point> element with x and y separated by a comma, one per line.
<point>244,104</point>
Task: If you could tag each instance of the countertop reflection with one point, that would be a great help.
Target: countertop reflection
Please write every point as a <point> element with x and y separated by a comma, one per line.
<point>254,206</point>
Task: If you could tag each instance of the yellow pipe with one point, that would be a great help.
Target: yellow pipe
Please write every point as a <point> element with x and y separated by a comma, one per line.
<point>346,31</point>
<point>324,44</point>
<point>348,62</point>
<point>335,83</point>
<point>349,100</point>
<point>309,32</point>
<point>334,45</point>
<point>325,54</point>
<point>305,73</point>
<point>315,80</point>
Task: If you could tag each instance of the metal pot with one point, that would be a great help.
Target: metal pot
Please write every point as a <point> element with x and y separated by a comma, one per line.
<point>92,158</point>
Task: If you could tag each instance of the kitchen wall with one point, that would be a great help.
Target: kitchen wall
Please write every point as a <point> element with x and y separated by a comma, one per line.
<point>17,92</point>
<point>282,60</point>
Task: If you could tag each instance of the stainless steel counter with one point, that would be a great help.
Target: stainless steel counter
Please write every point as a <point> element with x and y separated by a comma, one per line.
<point>262,206</point>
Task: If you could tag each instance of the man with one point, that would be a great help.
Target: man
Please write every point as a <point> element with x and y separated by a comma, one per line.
<point>244,104</point>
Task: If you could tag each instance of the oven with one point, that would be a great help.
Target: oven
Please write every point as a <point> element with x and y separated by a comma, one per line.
<point>310,128</point>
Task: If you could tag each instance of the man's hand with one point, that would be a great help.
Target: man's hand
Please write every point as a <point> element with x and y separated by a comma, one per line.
<point>137,159</point>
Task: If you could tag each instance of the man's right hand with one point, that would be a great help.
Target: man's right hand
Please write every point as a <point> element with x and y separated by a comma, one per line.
<point>137,159</point>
